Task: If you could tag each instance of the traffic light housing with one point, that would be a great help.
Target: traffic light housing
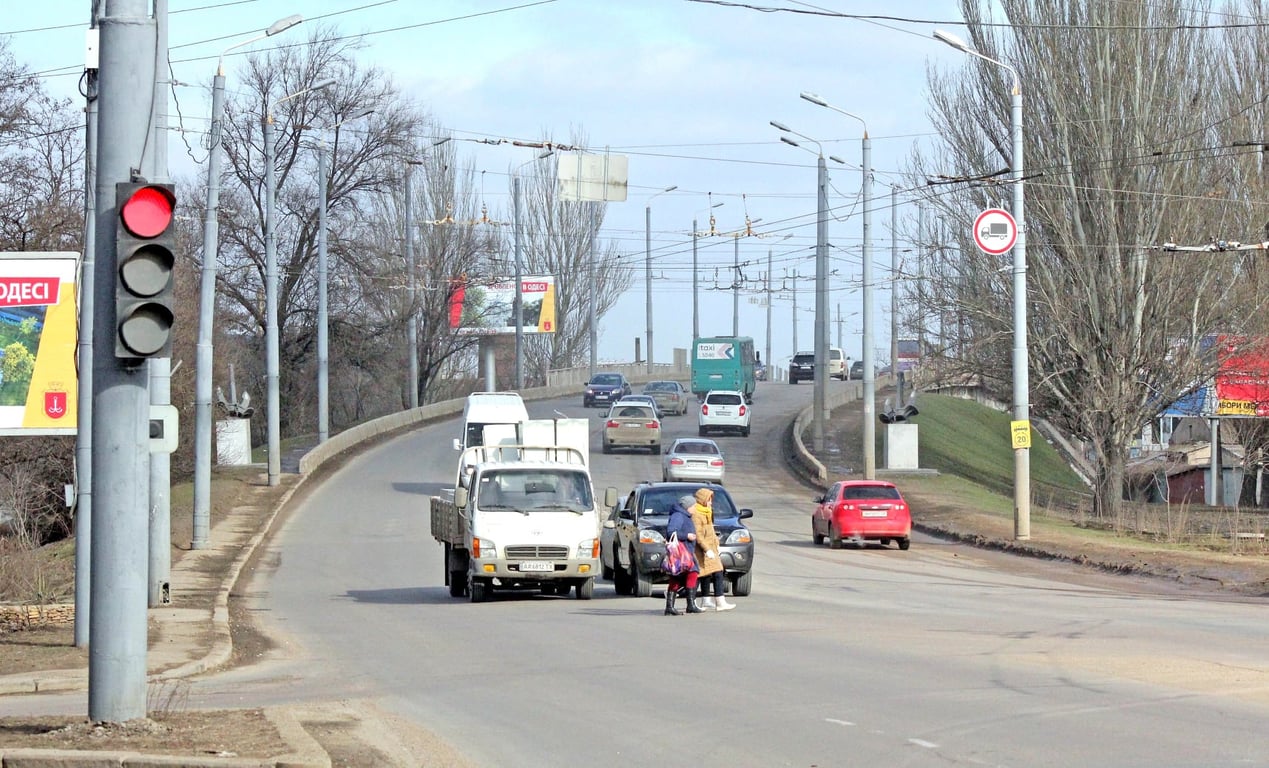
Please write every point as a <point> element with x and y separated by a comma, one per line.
<point>145,257</point>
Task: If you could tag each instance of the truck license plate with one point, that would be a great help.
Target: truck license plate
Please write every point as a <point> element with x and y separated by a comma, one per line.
<point>537,566</point>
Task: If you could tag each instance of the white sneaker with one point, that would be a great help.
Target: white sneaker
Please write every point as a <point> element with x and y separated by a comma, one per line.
<point>707,603</point>
<point>723,605</point>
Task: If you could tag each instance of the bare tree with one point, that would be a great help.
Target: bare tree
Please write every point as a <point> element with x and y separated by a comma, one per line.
<point>1116,328</point>
<point>364,159</point>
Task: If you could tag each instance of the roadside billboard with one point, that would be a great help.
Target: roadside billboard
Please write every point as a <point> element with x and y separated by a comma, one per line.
<point>490,309</point>
<point>1242,381</point>
<point>38,318</point>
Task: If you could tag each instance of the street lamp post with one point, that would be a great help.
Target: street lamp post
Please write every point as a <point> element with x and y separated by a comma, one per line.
<point>271,288</point>
<point>821,286</point>
<point>1021,385</point>
<point>869,381</point>
<point>323,340</point>
<point>207,300</point>
<point>647,265</point>
<point>519,300</point>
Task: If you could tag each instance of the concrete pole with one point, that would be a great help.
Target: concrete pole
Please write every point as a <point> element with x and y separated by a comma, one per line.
<point>121,458</point>
<point>921,280</point>
<point>795,312</point>
<point>767,352</point>
<point>271,307</point>
<point>839,327</point>
<point>1021,374</point>
<point>160,512</point>
<point>412,328</point>
<point>647,276</point>
<point>894,297</point>
<point>735,286</point>
<point>203,423</point>
<point>323,302</point>
<point>870,389</point>
<point>487,352</point>
<point>519,301</point>
<point>84,428</point>
<point>594,328</point>
<point>820,415</point>
<point>696,296</point>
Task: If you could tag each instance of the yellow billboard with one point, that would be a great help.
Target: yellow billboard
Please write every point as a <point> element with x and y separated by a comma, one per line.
<point>38,336</point>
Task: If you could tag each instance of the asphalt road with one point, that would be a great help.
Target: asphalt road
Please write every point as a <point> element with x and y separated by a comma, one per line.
<point>939,655</point>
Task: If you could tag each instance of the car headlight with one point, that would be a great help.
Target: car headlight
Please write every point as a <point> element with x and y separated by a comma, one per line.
<point>588,548</point>
<point>649,536</point>
<point>483,548</point>
<point>738,536</point>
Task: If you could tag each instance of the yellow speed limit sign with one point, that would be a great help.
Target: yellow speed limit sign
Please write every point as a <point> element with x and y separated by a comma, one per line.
<point>1021,433</point>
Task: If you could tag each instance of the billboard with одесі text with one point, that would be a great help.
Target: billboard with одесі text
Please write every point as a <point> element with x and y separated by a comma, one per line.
<point>1242,381</point>
<point>38,317</point>
<point>486,309</point>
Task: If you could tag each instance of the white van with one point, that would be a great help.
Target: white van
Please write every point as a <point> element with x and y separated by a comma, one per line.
<point>837,367</point>
<point>490,418</point>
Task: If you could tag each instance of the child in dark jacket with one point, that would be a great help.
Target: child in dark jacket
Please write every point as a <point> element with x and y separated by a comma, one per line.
<point>681,523</point>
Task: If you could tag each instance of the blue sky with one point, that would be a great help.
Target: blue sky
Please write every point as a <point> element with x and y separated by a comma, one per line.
<point>685,90</point>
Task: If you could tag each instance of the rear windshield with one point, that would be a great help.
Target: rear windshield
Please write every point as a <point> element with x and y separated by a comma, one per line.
<point>804,358</point>
<point>660,386</point>
<point>699,448</point>
<point>835,354</point>
<point>721,399</point>
<point>863,492</point>
<point>633,412</point>
<point>607,379</point>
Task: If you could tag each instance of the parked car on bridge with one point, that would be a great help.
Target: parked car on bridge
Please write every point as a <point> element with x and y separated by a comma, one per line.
<point>632,540</point>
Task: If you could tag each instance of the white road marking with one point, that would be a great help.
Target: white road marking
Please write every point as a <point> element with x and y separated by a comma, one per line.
<point>837,722</point>
<point>923,743</point>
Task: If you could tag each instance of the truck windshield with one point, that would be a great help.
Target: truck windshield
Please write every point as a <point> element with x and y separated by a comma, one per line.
<point>526,490</point>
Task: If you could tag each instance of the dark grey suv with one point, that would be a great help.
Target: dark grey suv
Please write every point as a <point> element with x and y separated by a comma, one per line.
<point>632,541</point>
<point>802,367</point>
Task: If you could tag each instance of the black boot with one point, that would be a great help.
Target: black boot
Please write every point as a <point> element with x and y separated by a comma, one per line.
<point>692,607</point>
<point>670,594</point>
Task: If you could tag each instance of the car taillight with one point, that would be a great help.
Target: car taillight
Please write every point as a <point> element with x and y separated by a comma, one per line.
<point>653,425</point>
<point>611,423</point>
<point>716,463</point>
<point>676,462</point>
<point>704,410</point>
<point>742,410</point>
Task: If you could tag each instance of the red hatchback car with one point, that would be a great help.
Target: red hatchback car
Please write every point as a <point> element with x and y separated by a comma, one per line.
<point>862,510</point>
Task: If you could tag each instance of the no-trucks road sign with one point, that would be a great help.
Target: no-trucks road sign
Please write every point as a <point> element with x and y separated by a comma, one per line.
<point>995,231</point>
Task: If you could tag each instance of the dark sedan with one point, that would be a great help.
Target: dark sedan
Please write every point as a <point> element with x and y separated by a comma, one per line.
<point>632,541</point>
<point>605,389</point>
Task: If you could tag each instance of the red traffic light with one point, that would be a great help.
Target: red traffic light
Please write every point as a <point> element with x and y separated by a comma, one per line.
<point>148,212</point>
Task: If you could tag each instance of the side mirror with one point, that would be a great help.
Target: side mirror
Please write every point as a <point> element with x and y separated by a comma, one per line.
<point>458,444</point>
<point>818,499</point>
<point>610,497</point>
<point>460,497</point>
<point>745,514</point>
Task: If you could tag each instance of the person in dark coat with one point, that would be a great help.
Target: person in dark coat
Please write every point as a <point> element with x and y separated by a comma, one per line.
<point>681,523</point>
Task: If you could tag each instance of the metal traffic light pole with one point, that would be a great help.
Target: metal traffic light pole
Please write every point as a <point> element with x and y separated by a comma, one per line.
<point>121,459</point>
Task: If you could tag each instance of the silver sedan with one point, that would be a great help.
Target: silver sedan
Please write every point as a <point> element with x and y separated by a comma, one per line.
<point>693,458</point>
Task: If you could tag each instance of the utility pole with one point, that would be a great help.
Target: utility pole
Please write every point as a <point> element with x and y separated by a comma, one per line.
<point>894,295</point>
<point>735,286</point>
<point>770,370</point>
<point>821,306</point>
<point>594,330</point>
<point>921,280</point>
<point>839,327</point>
<point>412,328</point>
<point>121,457</point>
<point>870,392</point>
<point>160,511</point>
<point>696,300</point>
<point>795,312</point>
<point>84,428</point>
